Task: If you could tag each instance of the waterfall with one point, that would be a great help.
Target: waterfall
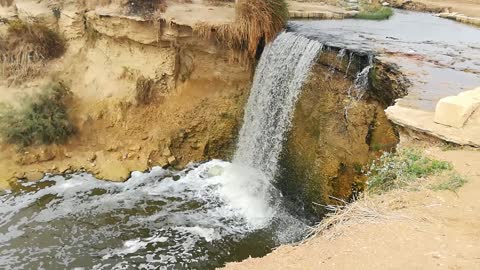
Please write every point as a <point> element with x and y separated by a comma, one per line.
<point>280,74</point>
<point>360,84</point>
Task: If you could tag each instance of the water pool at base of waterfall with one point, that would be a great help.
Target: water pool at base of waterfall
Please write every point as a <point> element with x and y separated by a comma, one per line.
<point>198,218</point>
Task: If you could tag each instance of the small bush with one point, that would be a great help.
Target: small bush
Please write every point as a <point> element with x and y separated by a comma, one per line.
<point>42,119</point>
<point>375,13</point>
<point>26,47</point>
<point>397,170</point>
<point>453,183</point>
<point>144,91</point>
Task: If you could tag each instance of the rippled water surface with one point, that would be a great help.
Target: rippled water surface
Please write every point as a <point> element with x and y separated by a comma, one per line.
<point>194,219</point>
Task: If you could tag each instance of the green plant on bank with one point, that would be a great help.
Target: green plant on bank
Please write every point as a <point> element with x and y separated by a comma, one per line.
<point>41,119</point>
<point>448,146</point>
<point>374,13</point>
<point>453,183</point>
<point>398,170</point>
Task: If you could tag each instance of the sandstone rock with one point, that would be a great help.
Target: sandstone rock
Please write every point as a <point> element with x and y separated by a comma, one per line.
<point>19,175</point>
<point>28,158</point>
<point>34,176</point>
<point>166,152</point>
<point>132,156</point>
<point>114,171</point>
<point>135,148</point>
<point>172,160</point>
<point>112,148</point>
<point>64,168</point>
<point>196,146</point>
<point>156,159</point>
<point>455,110</point>
<point>475,93</point>
<point>92,158</point>
<point>46,155</point>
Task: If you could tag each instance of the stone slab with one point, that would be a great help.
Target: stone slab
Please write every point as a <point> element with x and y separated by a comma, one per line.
<point>454,111</point>
<point>422,121</point>
<point>475,93</point>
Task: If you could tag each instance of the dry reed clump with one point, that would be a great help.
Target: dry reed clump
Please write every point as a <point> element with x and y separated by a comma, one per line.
<point>6,3</point>
<point>256,21</point>
<point>25,49</point>
<point>144,90</point>
<point>341,217</point>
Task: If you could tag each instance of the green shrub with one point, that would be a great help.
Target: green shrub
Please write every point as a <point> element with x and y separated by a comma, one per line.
<point>397,170</point>
<point>375,13</point>
<point>42,118</point>
<point>453,183</point>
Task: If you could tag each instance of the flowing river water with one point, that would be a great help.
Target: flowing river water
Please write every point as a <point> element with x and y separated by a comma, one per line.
<point>197,218</point>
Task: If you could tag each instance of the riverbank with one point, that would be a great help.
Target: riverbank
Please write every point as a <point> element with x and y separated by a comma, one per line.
<point>402,229</point>
<point>464,11</point>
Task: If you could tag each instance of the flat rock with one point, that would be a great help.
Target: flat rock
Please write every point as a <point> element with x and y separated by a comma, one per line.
<point>34,176</point>
<point>422,121</point>
<point>454,111</point>
<point>475,93</point>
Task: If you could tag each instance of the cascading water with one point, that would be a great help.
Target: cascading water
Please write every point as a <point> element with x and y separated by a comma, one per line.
<point>360,84</point>
<point>283,68</point>
<point>197,218</point>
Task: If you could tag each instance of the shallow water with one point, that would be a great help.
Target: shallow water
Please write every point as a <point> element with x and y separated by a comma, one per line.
<point>198,218</point>
<point>441,57</point>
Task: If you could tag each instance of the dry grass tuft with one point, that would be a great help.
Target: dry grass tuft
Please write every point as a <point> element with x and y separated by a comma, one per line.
<point>6,3</point>
<point>26,48</point>
<point>144,91</point>
<point>256,21</point>
<point>341,217</point>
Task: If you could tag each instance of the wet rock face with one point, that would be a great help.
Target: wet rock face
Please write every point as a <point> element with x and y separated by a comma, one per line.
<point>330,147</point>
<point>388,83</point>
